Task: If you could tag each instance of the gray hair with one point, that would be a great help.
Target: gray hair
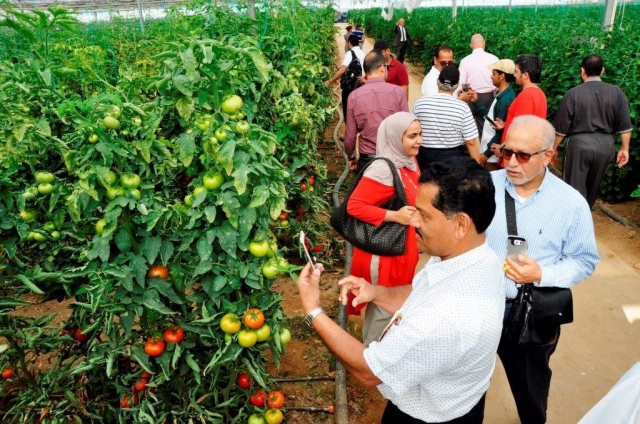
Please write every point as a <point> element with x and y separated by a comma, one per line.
<point>446,87</point>
<point>537,125</point>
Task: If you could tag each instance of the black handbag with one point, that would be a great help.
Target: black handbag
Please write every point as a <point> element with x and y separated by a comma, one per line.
<point>536,312</point>
<point>390,238</point>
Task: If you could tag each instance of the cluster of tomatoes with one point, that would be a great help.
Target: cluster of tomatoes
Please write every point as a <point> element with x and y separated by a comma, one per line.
<point>274,402</point>
<point>129,400</point>
<point>45,184</point>
<point>256,328</point>
<point>155,346</point>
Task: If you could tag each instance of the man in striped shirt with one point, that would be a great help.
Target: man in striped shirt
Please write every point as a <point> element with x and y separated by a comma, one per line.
<point>448,127</point>
<point>561,249</point>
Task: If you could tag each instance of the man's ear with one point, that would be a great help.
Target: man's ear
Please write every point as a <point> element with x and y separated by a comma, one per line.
<point>463,224</point>
<point>602,72</point>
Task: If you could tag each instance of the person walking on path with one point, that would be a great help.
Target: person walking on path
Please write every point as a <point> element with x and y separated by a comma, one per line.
<point>359,33</point>
<point>354,50</point>
<point>556,222</point>
<point>349,30</point>
<point>401,39</point>
<point>397,73</point>
<point>589,116</point>
<point>398,140</point>
<point>367,107</point>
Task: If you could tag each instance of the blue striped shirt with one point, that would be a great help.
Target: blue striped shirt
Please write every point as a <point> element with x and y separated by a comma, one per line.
<point>446,122</point>
<point>557,223</point>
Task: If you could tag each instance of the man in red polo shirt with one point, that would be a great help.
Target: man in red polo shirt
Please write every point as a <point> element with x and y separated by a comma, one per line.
<point>397,73</point>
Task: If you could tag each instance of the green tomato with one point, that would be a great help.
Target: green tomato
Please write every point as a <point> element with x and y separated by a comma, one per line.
<point>263,333</point>
<point>110,180</point>
<point>273,249</point>
<point>227,338</point>
<point>220,134</point>
<point>242,127</point>
<point>255,419</point>
<point>285,336</point>
<point>38,237</point>
<point>135,193</point>
<point>270,269</point>
<point>30,193</point>
<point>137,121</point>
<point>93,138</point>
<point>199,190</point>
<point>111,122</point>
<point>100,226</point>
<point>130,181</point>
<point>247,338</point>
<point>230,323</point>
<point>203,125</point>
<point>213,181</point>
<point>43,177</point>
<point>30,236</point>
<point>28,216</point>
<point>115,111</point>
<point>188,200</point>
<point>259,248</point>
<point>49,226</point>
<point>55,235</point>
<point>232,104</point>
<point>45,188</point>
<point>113,192</point>
<point>284,223</point>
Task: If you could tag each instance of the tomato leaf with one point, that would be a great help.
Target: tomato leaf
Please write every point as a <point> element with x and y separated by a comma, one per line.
<point>176,355</point>
<point>139,266</point>
<point>228,236</point>
<point>204,249</point>
<point>151,247</point>
<point>166,289</point>
<point>123,240</point>
<point>141,357</point>
<point>28,284</point>
<point>166,251</point>
<point>150,300</point>
<point>186,148</point>
<point>185,107</point>
<point>210,213</point>
<point>194,366</point>
<point>202,268</point>
<point>226,153</point>
<point>260,196</point>
<point>240,175</point>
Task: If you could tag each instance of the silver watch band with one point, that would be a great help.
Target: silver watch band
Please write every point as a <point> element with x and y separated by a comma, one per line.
<point>312,315</point>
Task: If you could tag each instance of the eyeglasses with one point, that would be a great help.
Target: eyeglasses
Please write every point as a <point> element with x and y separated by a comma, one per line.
<point>445,63</point>
<point>521,157</point>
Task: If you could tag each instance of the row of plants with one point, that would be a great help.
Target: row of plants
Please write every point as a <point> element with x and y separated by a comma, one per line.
<point>561,35</point>
<point>154,180</point>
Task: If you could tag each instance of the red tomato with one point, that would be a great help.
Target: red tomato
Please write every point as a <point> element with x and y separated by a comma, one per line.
<point>317,248</point>
<point>275,400</point>
<point>283,216</point>
<point>244,380</point>
<point>77,334</point>
<point>7,374</point>
<point>174,334</point>
<point>312,180</point>
<point>303,187</point>
<point>257,399</point>
<point>154,346</point>
<point>140,385</point>
<point>127,401</point>
<point>145,374</point>
<point>158,271</point>
<point>253,318</point>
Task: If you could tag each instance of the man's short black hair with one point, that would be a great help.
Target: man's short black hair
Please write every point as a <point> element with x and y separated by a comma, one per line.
<point>463,186</point>
<point>353,40</point>
<point>381,45</point>
<point>592,65</point>
<point>441,48</point>
<point>531,64</point>
<point>507,77</point>
<point>372,61</point>
<point>358,26</point>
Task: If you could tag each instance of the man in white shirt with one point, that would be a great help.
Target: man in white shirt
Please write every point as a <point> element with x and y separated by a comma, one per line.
<point>435,358</point>
<point>442,57</point>
<point>354,46</point>
<point>474,72</point>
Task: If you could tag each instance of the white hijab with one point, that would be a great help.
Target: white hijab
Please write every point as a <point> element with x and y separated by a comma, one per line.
<point>389,145</point>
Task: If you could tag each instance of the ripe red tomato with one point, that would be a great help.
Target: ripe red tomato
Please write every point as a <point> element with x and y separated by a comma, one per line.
<point>283,216</point>
<point>127,401</point>
<point>312,180</point>
<point>303,187</point>
<point>145,374</point>
<point>140,385</point>
<point>317,248</point>
<point>174,334</point>
<point>253,318</point>
<point>77,334</point>
<point>154,347</point>
<point>7,374</point>
<point>257,399</point>
<point>244,380</point>
<point>158,271</point>
<point>275,400</point>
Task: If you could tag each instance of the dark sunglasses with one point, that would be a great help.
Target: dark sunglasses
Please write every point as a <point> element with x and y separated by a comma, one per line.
<point>446,63</point>
<point>521,157</point>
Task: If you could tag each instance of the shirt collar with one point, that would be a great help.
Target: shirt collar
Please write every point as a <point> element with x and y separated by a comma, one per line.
<point>438,270</point>
<point>374,80</point>
<point>588,79</point>
<point>477,50</point>
<point>506,90</point>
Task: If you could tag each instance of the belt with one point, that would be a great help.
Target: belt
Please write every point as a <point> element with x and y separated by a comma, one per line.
<point>507,300</point>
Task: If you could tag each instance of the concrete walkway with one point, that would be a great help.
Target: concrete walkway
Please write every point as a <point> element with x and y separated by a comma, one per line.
<point>595,350</point>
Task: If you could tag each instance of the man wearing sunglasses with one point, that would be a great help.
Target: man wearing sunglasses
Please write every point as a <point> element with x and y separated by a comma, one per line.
<point>556,222</point>
<point>442,57</point>
<point>589,116</point>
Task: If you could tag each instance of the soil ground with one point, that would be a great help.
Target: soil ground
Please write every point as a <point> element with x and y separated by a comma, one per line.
<point>595,351</point>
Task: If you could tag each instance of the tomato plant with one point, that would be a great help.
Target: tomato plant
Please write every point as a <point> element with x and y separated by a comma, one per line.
<point>129,400</point>
<point>253,318</point>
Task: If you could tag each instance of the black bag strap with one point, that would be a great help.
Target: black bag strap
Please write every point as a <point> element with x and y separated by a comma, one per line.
<point>397,182</point>
<point>510,209</point>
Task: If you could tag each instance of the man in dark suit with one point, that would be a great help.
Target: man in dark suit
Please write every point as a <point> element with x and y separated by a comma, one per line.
<point>401,40</point>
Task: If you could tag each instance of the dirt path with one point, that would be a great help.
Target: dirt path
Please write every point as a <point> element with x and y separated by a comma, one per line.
<point>595,351</point>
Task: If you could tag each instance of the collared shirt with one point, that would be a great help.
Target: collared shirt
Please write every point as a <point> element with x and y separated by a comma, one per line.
<point>475,72</point>
<point>446,122</point>
<point>359,54</point>
<point>557,223</point>
<point>366,109</point>
<point>397,73</point>
<point>593,107</point>
<point>500,109</point>
<point>530,101</point>
<point>430,82</point>
<point>403,34</point>
<point>436,363</point>
<point>359,33</point>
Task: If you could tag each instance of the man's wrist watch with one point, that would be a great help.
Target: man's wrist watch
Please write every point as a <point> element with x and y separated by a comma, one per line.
<point>314,313</point>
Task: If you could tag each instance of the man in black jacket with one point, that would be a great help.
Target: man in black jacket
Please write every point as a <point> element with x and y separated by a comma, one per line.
<point>401,40</point>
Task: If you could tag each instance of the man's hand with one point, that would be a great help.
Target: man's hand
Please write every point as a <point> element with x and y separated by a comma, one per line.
<point>353,164</point>
<point>528,272</point>
<point>466,96</point>
<point>309,287</point>
<point>495,149</point>
<point>328,83</point>
<point>359,287</point>
<point>499,124</point>
<point>623,158</point>
<point>482,159</point>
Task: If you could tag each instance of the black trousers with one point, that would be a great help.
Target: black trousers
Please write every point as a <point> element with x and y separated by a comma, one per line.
<point>427,155</point>
<point>364,160</point>
<point>587,157</point>
<point>529,376</point>
<point>393,415</point>
<point>345,97</point>
<point>401,49</point>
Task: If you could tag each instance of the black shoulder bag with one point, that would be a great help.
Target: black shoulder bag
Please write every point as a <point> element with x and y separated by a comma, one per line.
<point>390,238</point>
<point>536,312</point>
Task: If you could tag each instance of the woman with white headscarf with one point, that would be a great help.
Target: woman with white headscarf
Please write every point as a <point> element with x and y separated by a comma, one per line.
<point>399,138</point>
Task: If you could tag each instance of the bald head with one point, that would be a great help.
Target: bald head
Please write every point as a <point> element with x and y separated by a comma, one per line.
<point>477,41</point>
<point>535,125</point>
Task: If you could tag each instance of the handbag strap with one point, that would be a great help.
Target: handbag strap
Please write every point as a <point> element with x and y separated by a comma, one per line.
<point>510,209</point>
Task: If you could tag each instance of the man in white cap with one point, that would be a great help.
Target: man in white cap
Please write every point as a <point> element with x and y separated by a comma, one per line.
<point>501,78</point>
